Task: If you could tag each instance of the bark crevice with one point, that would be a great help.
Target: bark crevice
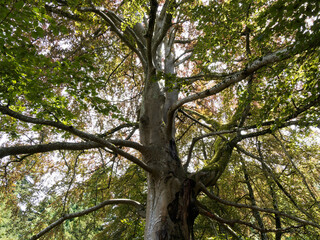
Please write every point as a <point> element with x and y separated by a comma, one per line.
<point>183,209</point>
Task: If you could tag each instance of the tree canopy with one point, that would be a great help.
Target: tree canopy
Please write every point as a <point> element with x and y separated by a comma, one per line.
<point>169,119</point>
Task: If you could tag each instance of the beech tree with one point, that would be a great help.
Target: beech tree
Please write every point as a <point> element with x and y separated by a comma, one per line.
<point>171,119</point>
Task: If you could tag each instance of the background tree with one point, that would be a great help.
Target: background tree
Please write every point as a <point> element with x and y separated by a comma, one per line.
<point>200,116</point>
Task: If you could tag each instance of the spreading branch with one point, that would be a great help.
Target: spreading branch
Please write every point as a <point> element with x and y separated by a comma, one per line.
<point>41,148</point>
<point>236,221</point>
<point>237,76</point>
<point>136,204</point>
<point>230,80</point>
<point>252,134</point>
<point>275,179</point>
<point>113,21</point>
<point>86,136</point>
<point>256,208</point>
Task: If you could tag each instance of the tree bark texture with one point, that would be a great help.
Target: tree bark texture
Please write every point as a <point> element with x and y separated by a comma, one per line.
<point>171,208</point>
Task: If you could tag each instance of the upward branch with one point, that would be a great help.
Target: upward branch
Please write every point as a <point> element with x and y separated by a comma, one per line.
<point>112,20</point>
<point>233,78</point>
<point>150,31</point>
<point>107,16</point>
<point>237,76</point>
<point>164,24</point>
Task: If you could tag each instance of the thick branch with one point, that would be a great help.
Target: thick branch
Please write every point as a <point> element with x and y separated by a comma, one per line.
<point>232,79</point>
<point>241,137</point>
<point>164,20</point>
<point>127,143</point>
<point>112,20</point>
<point>30,149</point>
<point>150,30</point>
<point>136,32</point>
<point>108,16</point>
<point>136,204</point>
<point>84,135</point>
<point>40,148</point>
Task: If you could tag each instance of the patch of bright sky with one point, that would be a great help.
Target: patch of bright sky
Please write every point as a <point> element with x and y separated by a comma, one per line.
<point>3,139</point>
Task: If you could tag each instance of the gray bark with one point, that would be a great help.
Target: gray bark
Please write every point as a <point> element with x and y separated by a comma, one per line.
<point>170,193</point>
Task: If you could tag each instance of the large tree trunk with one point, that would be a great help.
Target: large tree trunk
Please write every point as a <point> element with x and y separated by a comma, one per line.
<point>171,206</point>
<point>171,202</point>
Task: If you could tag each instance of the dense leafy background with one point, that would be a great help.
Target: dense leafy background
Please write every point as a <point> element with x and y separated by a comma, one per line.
<point>73,69</point>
